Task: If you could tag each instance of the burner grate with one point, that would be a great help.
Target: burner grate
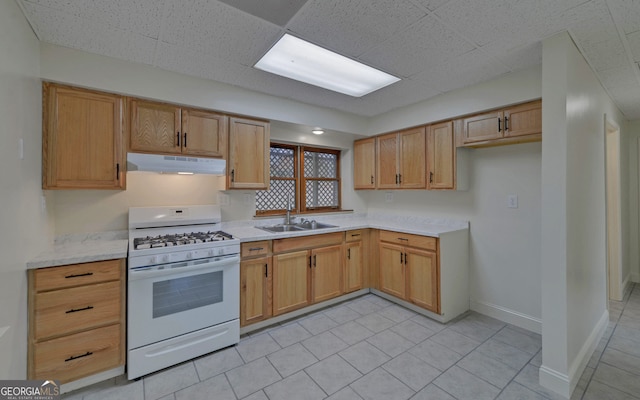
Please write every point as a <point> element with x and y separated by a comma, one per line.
<point>151,242</point>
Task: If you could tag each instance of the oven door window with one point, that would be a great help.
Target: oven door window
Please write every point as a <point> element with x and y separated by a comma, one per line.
<point>176,295</point>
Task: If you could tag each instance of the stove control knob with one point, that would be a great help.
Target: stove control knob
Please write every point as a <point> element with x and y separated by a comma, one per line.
<point>153,260</point>
<point>189,256</point>
<point>211,253</point>
<point>165,258</point>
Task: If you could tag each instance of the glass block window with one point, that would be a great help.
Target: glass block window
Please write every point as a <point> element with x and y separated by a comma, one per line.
<point>310,177</point>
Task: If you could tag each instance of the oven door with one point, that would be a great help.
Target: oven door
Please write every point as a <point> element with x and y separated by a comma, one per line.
<point>169,300</point>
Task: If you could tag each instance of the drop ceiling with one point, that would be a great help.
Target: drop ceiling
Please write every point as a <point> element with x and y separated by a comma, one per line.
<point>435,46</point>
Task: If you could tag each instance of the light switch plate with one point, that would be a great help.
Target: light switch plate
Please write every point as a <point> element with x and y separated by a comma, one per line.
<point>246,198</point>
<point>388,197</point>
<point>223,199</point>
<point>512,201</point>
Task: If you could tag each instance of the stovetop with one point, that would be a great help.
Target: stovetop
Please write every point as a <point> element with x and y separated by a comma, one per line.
<point>179,239</point>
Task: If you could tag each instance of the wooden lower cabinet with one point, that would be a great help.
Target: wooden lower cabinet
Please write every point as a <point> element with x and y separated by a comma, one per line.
<point>255,290</point>
<point>327,273</point>
<point>291,281</point>
<point>410,273</point>
<point>76,320</point>
<point>353,273</point>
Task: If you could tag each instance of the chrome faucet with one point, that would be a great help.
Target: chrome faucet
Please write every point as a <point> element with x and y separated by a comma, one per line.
<point>288,217</point>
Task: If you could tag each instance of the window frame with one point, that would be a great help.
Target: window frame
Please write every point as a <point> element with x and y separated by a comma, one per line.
<point>300,181</point>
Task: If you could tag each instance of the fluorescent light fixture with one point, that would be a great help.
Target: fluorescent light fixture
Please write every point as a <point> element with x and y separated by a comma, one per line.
<point>317,131</point>
<point>303,61</point>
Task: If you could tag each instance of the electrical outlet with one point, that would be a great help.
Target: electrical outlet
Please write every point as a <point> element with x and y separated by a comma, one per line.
<point>512,201</point>
<point>223,199</point>
<point>246,198</point>
<point>388,197</point>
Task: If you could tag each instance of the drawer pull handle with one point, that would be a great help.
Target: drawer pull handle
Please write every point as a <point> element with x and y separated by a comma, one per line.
<point>403,239</point>
<point>256,248</point>
<point>355,234</point>
<point>87,354</point>
<point>78,275</point>
<point>79,309</point>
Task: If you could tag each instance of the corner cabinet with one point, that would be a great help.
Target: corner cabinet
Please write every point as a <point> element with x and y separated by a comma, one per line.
<point>401,159</point>
<point>364,164</point>
<point>82,145</point>
<point>441,156</point>
<point>249,159</point>
<point>167,129</point>
<point>76,320</point>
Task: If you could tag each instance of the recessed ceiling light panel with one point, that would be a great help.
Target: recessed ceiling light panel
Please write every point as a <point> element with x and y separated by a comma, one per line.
<point>297,59</point>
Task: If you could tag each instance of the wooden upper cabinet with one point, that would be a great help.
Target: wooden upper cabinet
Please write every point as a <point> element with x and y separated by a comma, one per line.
<point>82,139</point>
<point>168,129</point>
<point>412,158</point>
<point>401,159</point>
<point>525,119</point>
<point>204,133</point>
<point>483,127</point>
<point>520,123</point>
<point>441,156</point>
<point>249,159</point>
<point>364,164</point>
<point>387,150</point>
<point>155,128</point>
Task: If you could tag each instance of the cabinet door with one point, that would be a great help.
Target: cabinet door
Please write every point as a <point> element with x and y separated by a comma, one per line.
<point>364,164</point>
<point>155,127</point>
<point>412,158</point>
<point>392,278</point>
<point>353,267</point>
<point>441,156</point>
<point>249,159</point>
<point>422,278</point>
<point>204,133</point>
<point>327,272</point>
<point>255,285</point>
<point>82,139</point>
<point>291,281</point>
<point>483,127</point>
<point>525,119</point>
<point>387,151</point>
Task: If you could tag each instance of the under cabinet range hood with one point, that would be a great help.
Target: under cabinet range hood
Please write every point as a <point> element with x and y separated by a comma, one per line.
<point>175,164</point>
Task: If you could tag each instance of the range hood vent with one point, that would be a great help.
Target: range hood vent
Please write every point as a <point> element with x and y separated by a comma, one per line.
<point>175,164</point>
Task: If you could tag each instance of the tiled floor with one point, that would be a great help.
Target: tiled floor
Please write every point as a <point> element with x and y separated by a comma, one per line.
<point>369,348</point>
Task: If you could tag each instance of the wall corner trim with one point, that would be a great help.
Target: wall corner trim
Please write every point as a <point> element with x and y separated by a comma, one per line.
<point>508,315</point>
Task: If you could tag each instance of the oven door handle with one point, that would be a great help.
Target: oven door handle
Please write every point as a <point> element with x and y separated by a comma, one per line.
<point>178,268</point>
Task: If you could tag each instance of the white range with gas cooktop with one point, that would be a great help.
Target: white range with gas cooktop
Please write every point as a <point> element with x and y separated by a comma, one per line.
<point>183,286</point>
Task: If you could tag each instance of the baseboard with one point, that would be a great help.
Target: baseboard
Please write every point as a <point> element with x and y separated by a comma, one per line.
<point>564,384</point>
<point>635,278</point>
<point>507,315</point>
<point>626,285</point>
<point>90,380</point>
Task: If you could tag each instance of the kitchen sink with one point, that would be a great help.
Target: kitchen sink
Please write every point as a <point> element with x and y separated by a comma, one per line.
<point>305,226</point>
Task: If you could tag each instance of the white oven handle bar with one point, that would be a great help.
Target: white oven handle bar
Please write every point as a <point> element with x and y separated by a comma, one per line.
<point>182,267</point>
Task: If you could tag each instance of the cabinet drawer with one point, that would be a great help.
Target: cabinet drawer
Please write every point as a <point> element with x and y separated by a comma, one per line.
<point>253,249</point>
<point>65,311</point>
<point>406,239</point>
<point>354,235</point>
<point>77,275</point>
<point>306,242</point>
<point>71,357</point>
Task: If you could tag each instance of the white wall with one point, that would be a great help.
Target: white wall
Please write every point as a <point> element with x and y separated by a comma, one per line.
<point>573,212</point>
<point>24,226</point>
<point>632,143</point>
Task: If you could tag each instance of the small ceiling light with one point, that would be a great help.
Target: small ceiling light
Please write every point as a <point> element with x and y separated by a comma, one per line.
<point>303,61</point>
<point>185,173</point>
<point>317,131</point>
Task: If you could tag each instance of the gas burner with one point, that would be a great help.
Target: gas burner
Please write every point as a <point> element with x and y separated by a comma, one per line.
<point>152,242</point>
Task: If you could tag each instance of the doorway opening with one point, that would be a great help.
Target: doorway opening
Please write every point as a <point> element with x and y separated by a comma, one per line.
<point>613,203</point>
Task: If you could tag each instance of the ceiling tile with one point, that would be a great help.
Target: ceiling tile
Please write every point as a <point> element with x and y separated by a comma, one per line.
<point>634,44</point>
<point>352,27</point>
<point>219,30</point>
<point>425,43</point>
<point>629,13</point>
<point>618,77</point>
<point>605,55</point>
<point>78,33</point>
<point>598,27</point>
<point>138,16</point>
<point>278,12</point>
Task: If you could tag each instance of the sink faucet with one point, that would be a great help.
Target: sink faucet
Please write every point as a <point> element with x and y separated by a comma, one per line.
<point>288,217</point>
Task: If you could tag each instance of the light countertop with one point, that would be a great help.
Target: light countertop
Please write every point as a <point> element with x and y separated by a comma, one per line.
<point>81,248</point>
